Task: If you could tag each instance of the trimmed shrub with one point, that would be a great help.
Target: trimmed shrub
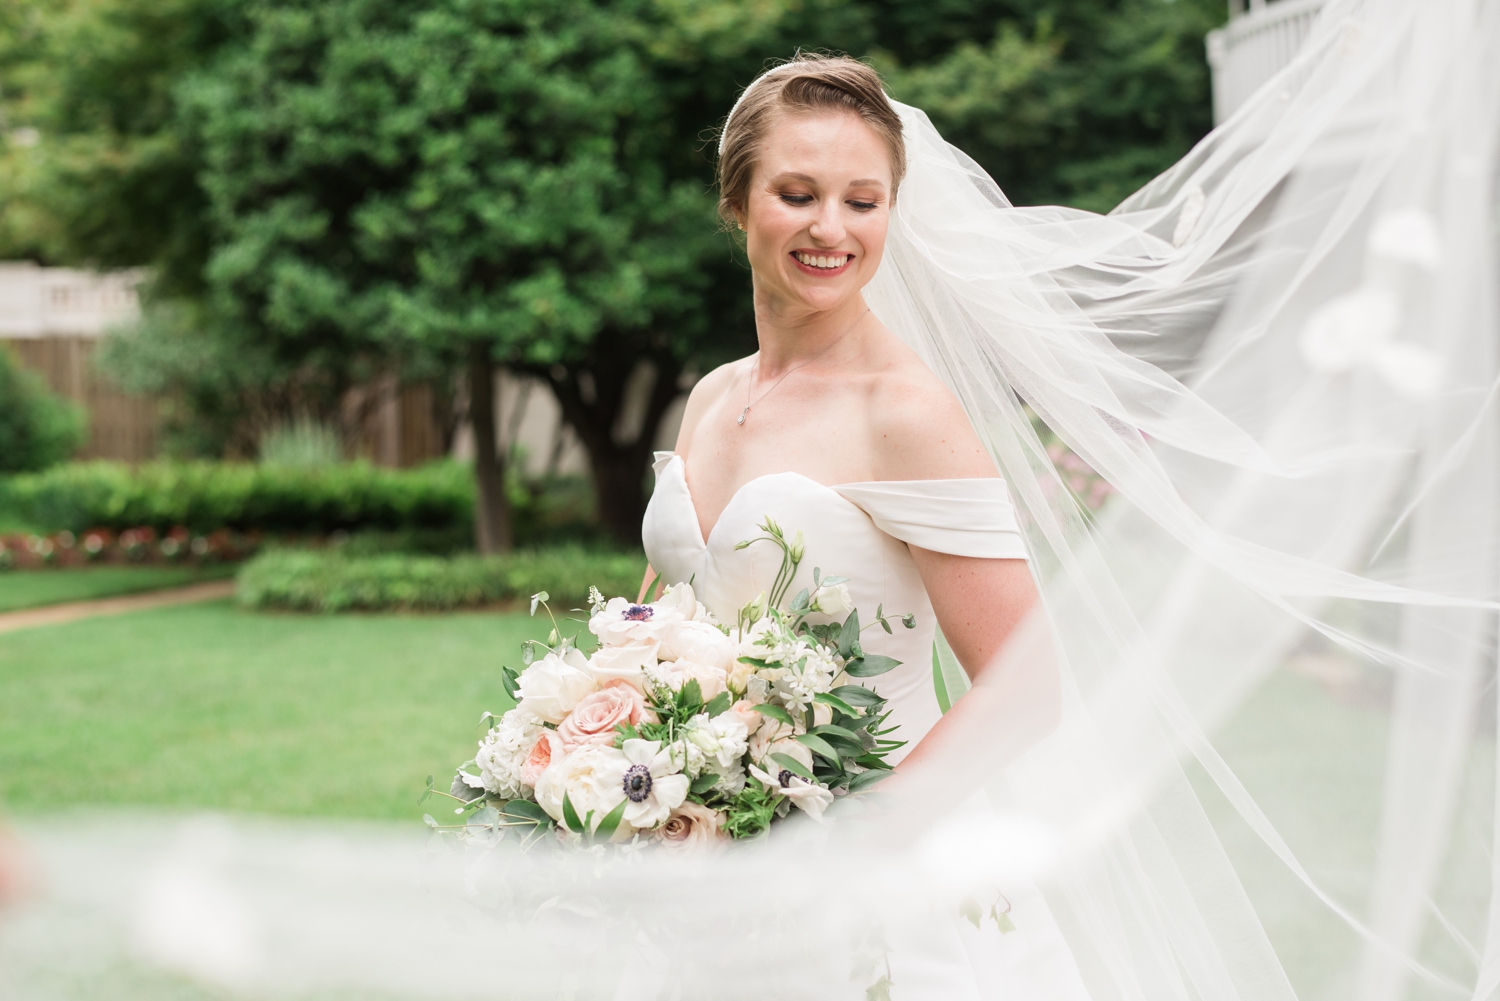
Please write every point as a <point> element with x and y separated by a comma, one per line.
<point>37,428</point>
<point>330,581</point>
<point>205,496</point>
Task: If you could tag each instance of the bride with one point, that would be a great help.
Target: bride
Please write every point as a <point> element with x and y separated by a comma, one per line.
<point>1230,738</point>
<point>835,427</point>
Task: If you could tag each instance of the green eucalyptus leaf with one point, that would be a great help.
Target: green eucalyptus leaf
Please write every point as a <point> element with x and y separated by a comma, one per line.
<point>849,635</point>
<point>829,699</point>
<point>611,821</point>
<point>718,704</point>
<point>818,746</point>
<point>703,783</point>
<point>774,712</point>
<point>792,765</point>
<point>524,809</point>
<point>857,695</point>
<point>866,779</point>
<point>570,816</point>
<point>691,694</point>
<point>871,665</point>
<point>834,731</point>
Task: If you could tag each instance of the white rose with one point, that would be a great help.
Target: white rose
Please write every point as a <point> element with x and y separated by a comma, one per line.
<point>744,711</point>
<point>552,686</point>
<point>679,598</point>
<point>592,778</point>
<point>692,826</point>
<point>624,663</point>
<point>698,642</point>
<point>711,680</point>
<point>770,731</point>
<point>832,600</point>
<point>739,676</point>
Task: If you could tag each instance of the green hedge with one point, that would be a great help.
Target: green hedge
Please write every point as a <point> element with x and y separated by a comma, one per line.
<point>204,496</point>
<point>331,581</point>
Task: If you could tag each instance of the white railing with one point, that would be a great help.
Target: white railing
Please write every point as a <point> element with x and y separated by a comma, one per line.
<point>1254,46</point>
<point>47,302</point>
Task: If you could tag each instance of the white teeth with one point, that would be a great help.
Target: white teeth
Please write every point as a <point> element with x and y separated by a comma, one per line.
<point>815,261</point>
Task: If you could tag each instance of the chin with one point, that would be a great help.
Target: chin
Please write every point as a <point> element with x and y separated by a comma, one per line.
<point>823,295</point>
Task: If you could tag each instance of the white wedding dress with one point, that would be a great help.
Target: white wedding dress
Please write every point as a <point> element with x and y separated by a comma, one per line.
<point>862,531</point>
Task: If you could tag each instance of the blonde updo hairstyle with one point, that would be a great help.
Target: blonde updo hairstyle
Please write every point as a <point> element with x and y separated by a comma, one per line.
<point>807,83</point>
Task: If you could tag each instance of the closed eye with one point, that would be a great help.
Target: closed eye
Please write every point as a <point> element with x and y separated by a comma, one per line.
<point>863,206</point>
<point>797,199</point>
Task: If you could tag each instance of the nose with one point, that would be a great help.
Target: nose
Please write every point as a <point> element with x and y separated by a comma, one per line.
<point>828,227</point>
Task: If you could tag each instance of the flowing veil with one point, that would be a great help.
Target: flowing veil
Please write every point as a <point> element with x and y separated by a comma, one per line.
<point>1274,772</point>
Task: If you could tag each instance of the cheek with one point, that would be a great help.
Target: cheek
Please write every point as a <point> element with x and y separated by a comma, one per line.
<point>870,230</point>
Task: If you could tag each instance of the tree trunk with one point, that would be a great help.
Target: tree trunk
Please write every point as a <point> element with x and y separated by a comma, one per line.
<point>592,397</point>
<point>491,507</point>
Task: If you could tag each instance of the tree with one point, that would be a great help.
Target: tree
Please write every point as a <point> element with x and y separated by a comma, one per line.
<point>1070,102</point>
<point>329,189</point>
<point>492,182</point>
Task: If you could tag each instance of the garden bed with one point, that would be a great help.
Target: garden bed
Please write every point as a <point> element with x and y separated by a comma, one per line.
<point>332,581</point>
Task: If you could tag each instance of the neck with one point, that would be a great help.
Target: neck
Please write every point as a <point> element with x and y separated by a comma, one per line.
<point>790,337</point>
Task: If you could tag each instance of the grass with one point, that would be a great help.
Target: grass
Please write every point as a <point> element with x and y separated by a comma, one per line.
<point>207,706</point>
<point>34,588</point>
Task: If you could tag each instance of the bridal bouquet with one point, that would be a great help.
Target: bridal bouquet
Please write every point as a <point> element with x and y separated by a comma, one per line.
<point>681,730</point>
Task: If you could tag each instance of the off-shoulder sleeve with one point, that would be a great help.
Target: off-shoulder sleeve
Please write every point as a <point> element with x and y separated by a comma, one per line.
<point>972,517</point>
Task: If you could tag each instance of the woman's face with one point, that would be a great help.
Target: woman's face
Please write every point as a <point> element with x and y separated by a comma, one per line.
<point>817,210</point>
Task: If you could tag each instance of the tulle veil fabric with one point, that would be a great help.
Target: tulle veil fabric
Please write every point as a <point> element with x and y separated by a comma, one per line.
<point>1274,772</point>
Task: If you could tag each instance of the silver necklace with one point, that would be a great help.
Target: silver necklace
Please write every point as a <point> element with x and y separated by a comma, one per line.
<point>750,383</point>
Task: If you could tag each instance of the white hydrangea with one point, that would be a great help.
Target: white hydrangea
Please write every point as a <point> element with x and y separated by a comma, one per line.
<point>503,751</point>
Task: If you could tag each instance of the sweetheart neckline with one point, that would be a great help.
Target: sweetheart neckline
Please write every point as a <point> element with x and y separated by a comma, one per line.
<point>704,540</point>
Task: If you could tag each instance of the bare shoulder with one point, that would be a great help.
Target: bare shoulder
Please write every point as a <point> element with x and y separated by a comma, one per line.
<point>918,428</point>
<point>707,392</point>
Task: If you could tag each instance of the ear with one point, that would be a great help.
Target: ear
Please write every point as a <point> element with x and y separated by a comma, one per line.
<point>740,216</point>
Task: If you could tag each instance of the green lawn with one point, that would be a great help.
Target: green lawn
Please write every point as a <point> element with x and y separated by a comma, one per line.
<point>210,706</point>
<point>33,588</point>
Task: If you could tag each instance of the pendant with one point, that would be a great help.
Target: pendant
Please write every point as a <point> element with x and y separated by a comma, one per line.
<point>741,419</point>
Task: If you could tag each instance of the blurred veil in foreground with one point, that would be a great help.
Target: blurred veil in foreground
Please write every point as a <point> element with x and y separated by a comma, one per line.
<point>1274,774</point>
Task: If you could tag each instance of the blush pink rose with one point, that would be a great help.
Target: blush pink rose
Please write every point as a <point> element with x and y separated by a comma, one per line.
<point>547,749</point>
<point>594,719</point>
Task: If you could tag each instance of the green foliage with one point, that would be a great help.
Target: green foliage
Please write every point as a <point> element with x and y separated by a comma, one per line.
<point>326,189</point>
<point>305,442</point>
<point>203,496</point>
<point>1073,102</point>
<point>37,428</point>
<point>324,581</point>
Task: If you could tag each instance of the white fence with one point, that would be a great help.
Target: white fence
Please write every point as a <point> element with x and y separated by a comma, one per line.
<point>1256,44</point>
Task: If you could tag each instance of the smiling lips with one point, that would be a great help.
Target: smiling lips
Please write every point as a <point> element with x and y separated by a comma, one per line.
<point>823,264</point>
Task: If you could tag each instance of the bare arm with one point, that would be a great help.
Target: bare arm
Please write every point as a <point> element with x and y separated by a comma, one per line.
<point>987,608</point>
<point>989,614</point>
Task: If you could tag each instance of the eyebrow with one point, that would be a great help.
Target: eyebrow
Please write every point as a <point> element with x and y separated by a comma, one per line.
<point>792,175</point>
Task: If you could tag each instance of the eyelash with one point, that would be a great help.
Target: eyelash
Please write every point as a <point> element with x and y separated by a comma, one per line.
<point>801,200</point>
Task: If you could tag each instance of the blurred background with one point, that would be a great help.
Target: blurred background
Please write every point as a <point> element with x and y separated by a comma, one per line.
<point>330,330</point>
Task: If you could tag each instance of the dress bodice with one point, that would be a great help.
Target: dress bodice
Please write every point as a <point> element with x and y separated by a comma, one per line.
<point>855,530</point>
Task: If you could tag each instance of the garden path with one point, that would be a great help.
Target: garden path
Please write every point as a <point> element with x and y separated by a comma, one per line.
<point>53,615</point>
